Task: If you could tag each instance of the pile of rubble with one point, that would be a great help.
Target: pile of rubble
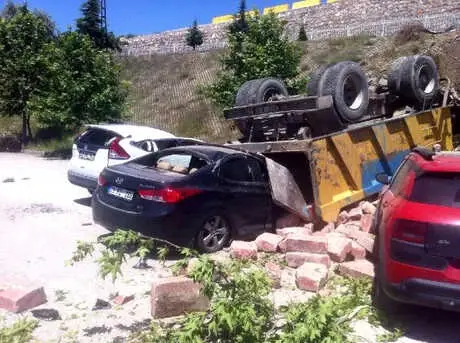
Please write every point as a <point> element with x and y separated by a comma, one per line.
<point>341,247</point>
<point>312,256</point>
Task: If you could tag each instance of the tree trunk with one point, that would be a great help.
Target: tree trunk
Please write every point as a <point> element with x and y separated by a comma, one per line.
<point>24,130</point>
<point>29,130</point>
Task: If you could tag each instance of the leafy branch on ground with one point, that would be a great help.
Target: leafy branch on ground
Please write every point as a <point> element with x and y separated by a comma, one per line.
<point>20,331</point>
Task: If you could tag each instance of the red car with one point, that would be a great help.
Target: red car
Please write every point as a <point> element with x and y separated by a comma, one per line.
<point>418,232</point>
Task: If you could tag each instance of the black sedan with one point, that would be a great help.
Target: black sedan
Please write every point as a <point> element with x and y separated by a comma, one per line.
<point>193,196</point>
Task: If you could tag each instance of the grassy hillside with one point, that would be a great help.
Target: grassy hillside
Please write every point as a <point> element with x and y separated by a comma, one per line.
<point>164,88</point>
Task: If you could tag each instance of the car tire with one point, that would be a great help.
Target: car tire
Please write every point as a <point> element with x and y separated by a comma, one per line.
<point>381,300</point>
<point>259,91</point>
<point>348,86</point>
<point>213,232</point>
<point>415,79</point>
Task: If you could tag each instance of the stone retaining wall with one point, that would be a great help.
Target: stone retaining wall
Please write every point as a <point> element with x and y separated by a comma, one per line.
<point>339,19</point>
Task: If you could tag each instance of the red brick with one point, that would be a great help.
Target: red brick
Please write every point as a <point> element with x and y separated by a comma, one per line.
<point>348,230</point>
<point>343,217</point>
<point>294,230</point>
<point>296,259</point>
<point>304,243</point>
<point>355,213</point>
<point>328,228</point>
<point>338,247</point>
<point>357,251</point>
<point>310,227</point>
<point>243,250</point>
<point>366,240</point>
<point>174,296</point>
<point>367,207</point>
<point>122,299</point>
<point>274,272</point>
<point>268,242</point>
<point>358,268</point>
<point>366,222</point>
<point>18,299</point>
<point>311,276</point>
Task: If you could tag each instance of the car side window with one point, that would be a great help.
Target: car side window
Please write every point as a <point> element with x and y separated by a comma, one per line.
<point>237,169</point>
<point>400,177</point>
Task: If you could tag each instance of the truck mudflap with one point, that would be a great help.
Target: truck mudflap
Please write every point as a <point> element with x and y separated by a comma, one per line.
<point>285,191</point>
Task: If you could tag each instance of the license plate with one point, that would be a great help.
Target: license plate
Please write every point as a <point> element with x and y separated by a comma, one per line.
<point>120,193</point>
<point>86,156</point>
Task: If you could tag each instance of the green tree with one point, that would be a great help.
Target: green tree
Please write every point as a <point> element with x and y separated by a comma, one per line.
<point>91,24</point>
<point>84,85</point>
<point>194,36</point>
<point>262,51</point>
<point>302,34</point>
<point>23,38</point>
<point>240,24</point>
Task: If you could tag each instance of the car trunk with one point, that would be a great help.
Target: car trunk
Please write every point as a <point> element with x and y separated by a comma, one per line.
<point>90,151</point>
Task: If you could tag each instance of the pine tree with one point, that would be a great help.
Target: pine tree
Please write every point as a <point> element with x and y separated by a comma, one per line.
<point>240,23</point>
<point>194,36</point>
<point>91,24</point>
<point>302,34</point>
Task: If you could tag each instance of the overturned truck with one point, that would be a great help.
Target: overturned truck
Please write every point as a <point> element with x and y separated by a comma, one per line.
<point>324,150</point>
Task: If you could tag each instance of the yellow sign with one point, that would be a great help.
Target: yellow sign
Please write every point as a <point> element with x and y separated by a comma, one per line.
<point>276,9</point>
<point>222,19</point>
<point>305,3</point>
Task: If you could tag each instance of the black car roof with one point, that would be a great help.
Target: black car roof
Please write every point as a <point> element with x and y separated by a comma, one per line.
<point>212,152</point>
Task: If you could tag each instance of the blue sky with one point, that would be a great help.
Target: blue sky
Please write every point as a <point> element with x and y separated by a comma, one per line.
<point>147,16</point>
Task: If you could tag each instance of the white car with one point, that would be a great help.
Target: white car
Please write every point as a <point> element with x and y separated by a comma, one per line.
<point>100,146</point>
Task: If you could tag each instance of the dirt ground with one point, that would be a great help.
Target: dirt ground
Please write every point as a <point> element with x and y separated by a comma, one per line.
<point>41,218</point>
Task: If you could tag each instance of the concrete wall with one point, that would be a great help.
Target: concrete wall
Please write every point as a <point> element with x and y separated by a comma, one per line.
<point>342,18</point>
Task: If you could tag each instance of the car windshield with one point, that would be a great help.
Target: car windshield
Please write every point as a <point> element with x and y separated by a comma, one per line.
<point>180,163</point>
<point>441,189</point>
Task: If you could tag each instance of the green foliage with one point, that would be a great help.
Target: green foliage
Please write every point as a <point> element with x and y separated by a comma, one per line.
<point>23,40</point>
<point>84,249</point>
<point>83,85</point>
<point>327,319</point>
<point>302,34</point>
<point>19,332</point>
<point>91,24</point>
<point>240,25</point>
<point>262,51</point>
<point>194,36</point>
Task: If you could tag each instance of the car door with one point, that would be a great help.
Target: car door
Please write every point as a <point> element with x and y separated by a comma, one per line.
<point>247,194</point>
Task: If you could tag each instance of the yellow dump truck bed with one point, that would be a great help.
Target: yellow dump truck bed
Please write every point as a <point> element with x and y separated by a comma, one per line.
<point>338,169</point>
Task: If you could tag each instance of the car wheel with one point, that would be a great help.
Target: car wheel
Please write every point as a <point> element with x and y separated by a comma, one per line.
<point>213,233</point>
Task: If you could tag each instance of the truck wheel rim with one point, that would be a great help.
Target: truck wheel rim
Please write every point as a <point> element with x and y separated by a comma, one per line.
<point>426,80</point>
<point>270,93</point>
<point>215,232</point>
<point>353,93</point>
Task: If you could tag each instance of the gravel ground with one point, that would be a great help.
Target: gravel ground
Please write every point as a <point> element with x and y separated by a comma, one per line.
<point>41,218</point>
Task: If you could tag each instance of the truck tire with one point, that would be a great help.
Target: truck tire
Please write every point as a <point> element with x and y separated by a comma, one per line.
<point>347,84</point>
<point>315,77</point>
<point>415,79</point>
<point>260,90</point>
<point>394,76</point>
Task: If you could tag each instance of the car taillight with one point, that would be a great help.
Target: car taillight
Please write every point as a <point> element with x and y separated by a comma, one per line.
<point>168,195</point>
<point>101,181</point>
<point>409,231</point>
<point>116,151</point>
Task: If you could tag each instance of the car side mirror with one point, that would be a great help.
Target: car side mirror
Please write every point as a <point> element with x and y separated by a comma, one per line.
<point>383,178</point>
